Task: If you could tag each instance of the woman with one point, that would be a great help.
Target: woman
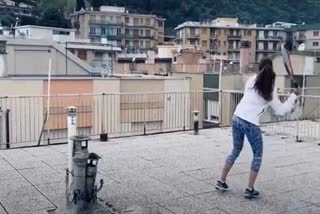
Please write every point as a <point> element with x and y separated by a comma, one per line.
<point>258,95</point>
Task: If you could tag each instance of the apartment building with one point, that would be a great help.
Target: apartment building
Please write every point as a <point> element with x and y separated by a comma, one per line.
<point>223,37</point>
<point>308,35</point>
<point>269,40</point>
<point>19,10</point>
<point>135,33</point>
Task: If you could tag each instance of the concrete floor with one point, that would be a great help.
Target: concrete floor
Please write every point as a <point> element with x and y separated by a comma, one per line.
<point>168,173</point>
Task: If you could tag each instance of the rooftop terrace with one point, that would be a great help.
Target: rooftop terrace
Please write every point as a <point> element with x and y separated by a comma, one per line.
<point>168,173</point>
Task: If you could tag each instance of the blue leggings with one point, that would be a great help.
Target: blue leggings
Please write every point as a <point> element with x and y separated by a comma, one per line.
<point>241,128</point>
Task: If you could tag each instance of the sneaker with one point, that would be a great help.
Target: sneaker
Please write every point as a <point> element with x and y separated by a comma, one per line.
<point>222,186</point>
<point>249,194</point>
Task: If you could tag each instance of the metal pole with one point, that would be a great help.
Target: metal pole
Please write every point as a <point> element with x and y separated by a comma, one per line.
<point>220,93</point>
<point>66,46</point>
<point>7,129</point>
<point>72,131</point>
<point>48,98</point>
<point>298,139</point>
<point>112,57</point>
<point>196,122</point>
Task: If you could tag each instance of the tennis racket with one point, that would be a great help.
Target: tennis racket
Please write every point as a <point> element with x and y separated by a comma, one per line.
<point>288,64</point>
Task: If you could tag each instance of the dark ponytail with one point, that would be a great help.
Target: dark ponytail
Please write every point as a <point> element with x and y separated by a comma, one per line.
<point>265,80</point>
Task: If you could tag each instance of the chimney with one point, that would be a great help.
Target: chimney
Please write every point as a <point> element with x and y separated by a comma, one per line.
<point>3,57</point>
<point>244,56</point>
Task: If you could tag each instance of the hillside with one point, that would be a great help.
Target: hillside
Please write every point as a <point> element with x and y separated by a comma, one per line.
<point>50,12</point>
<point>249,11</point>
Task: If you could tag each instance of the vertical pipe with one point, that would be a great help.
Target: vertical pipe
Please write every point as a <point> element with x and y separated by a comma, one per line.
<point>48,98</point>
<point>220,93</point>
<point>72,131</point>
<point>66,46</point>
<point>7,129</point>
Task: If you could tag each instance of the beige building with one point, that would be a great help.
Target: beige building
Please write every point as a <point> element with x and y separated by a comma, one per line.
<point>117,106</point>
<point>133,32</point>
<point>26,57</point>
<point>223,37</point>
<point>308,36</point>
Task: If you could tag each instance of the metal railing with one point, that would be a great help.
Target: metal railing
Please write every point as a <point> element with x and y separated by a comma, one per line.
<point>26,120</point>
<point>303,122</point>
<point>31,123</point>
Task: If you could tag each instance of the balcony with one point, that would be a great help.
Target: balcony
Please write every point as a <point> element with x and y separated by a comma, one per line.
<point>234,37</point>
<point>213,37</point>
<point>193,36</point>
<point>132,36</point>
<point>233,49</point>
<point>113,37</point>
<point>301,37</point>
<point>270,38</point>
<point>267,50</point>
<point>105,23</point>
<point>132,25</point>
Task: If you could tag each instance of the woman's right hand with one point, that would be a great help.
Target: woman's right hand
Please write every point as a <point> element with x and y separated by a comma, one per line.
<point>297,91</point>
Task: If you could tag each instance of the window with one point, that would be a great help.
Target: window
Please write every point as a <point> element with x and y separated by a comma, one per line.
<point>118,31</point>
<point>160,23</point>
<point>265,46</point>
<point>148,33</point>
<point>249,33</point>
<point>127,32</point>
<point>136,32</point>
<point>103,19</point>
<point>141,43</point>
<point>315,33</point>
<point>127,20</point>
<point>92,30</point>
<point>175,59</point>
<point>192,42</point>
<point>204,30</point>
<point>315,44</point>
<point>136,21</point>
<point>141,21</point>
<point>93,18</point>
<point>103,31</point>
<point>224,43</point>
<point>275,46</point>
<point>112,32</point>
<point>224,53</point>
<point>82,54</point>
<point>219,43</point>
<point>118,20</point>
<point>141,32</point>
<point>148,44</point>
<point>148,22</point>
<point>98,56</point>
<point>192,31</point>
<point>111,19</point>
<point>204,44</point>
<point>136,43</point>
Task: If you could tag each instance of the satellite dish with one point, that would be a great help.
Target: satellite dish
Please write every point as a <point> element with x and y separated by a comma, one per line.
<point>302,47</point>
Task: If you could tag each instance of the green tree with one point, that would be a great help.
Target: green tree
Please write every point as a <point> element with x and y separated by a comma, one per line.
<point>7,20</point>
<point>53,18</point>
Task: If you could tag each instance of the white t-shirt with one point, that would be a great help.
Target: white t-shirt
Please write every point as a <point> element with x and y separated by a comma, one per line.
<point>253,105</point>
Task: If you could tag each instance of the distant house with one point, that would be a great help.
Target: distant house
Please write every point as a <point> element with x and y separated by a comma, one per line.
<point>307,37</point>
<point>21,9</point>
